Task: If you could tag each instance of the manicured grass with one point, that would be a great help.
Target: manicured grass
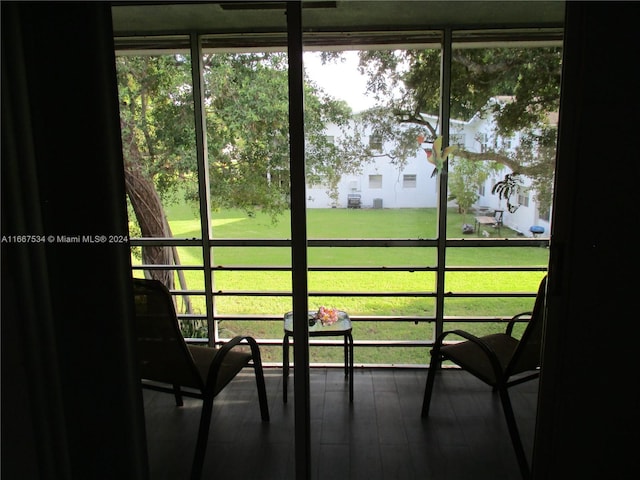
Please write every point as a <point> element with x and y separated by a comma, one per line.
<point>348,223</point>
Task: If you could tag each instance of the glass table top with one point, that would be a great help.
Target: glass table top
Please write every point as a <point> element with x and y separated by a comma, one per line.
<point>343,323</point>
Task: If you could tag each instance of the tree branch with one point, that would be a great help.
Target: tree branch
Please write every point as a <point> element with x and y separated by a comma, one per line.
<point>515,166</point>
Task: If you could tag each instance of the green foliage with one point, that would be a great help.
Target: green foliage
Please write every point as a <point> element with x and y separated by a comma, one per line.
<point>156,106</point>
<point>464,179</point>
<point>248,133</point>
<point>525,80</point>
<point>530,76</point>
<point>246,105</point>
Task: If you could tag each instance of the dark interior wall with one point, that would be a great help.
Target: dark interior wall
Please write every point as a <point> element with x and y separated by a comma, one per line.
<point>589,406</point>
<point>71,406</point>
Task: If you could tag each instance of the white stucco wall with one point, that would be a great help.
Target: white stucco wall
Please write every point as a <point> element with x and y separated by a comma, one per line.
<point>394,193</point>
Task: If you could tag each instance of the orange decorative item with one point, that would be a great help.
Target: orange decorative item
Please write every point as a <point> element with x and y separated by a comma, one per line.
<point>327,316</point>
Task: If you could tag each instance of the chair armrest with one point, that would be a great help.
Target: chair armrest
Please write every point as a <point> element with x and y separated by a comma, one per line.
<point>513,321</point>
<point>224,349</point>
<point>461,333</point>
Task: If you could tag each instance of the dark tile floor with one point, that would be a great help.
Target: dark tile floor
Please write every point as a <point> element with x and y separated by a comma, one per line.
<point>381,436</point>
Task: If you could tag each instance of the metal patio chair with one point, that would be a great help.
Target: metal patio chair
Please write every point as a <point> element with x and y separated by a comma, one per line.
<point>500,360</point>
<point>168,364</point>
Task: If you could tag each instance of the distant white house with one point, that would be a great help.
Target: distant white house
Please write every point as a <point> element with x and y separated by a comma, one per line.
<point>383,185</point>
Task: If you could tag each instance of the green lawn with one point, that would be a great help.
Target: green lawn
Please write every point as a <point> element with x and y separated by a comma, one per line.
<point>349,223</point>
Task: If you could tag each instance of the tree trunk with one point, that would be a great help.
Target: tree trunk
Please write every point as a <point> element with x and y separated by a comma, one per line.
<point>148,208</point>
<point>150,214</point>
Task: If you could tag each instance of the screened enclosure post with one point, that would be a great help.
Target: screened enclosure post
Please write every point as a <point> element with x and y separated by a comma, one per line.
<point>203,182</point>
<point>299,244</point>
<point>445,113</point>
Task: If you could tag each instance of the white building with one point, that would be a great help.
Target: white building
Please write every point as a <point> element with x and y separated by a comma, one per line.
<point>383,185</point>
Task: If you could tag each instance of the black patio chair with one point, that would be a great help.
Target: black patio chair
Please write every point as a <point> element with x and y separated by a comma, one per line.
<point>168,364</point>
<point>498,215</point>
<point>500,360</point>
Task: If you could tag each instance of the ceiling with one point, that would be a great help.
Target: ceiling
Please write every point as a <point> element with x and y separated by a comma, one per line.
<point>326,20</point>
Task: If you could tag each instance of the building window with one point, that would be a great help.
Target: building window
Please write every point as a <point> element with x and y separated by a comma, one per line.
<point>481,189</point>
<point>523,198</point>
<point>409,181</point>
<point>457,139</point>
<point>483,140</point>
<point>375,142</point>
<point>375,181</point>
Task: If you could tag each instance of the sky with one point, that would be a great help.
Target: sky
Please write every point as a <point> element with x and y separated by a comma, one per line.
<point>340,80</point>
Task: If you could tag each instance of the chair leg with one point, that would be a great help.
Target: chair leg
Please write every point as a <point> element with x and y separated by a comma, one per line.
<point>262,391</point>
<point>346,356</point>
<point>259,374</point>
<point>350,342</point>
<point>203,437</point>
<point>513,432</point>
<point>285,367</point>
<point>428,390</point>
<point>178,395</point>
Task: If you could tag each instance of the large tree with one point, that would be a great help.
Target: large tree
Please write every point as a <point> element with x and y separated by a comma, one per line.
<point>152,111</point>
<point>519,86</point>
<point>246,105</point>
<point>248,131</point>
